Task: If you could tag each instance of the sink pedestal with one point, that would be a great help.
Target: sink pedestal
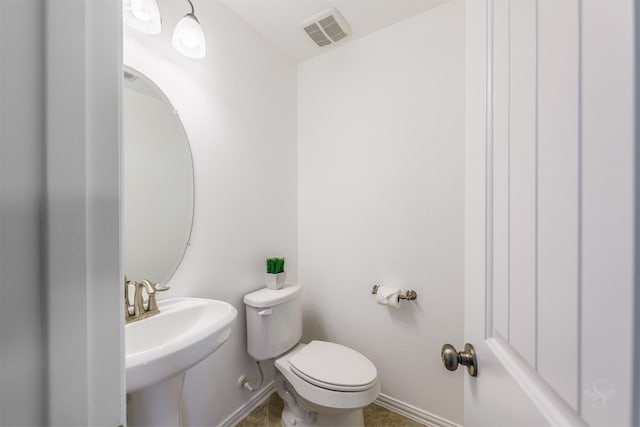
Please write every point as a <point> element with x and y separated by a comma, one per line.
<point>156,405</point>
<point>159,349</point>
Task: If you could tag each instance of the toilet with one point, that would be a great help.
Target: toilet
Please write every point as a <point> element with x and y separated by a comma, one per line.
<point>321,383</point>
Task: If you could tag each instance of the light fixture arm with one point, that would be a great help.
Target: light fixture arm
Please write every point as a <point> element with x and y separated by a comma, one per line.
<point>192,9</point>
<point>193,12</point>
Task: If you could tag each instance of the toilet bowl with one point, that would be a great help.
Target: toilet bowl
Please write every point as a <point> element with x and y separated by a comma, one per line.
<point>321,383</point>
<point>329,379</point>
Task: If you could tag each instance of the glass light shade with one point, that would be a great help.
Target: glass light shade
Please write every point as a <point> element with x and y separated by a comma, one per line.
<point>142,15</point>
<point>188,37</point>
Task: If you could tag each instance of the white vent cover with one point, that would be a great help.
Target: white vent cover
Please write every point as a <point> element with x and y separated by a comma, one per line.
<point>327,27</point>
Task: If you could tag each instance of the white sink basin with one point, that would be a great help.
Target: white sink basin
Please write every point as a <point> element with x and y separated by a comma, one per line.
<point>184,332</point>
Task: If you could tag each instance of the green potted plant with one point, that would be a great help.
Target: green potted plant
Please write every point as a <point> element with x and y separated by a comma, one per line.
<point>276,275</point>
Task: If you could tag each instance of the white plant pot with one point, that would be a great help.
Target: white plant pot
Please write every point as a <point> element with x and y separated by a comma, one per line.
<point>275,281</point>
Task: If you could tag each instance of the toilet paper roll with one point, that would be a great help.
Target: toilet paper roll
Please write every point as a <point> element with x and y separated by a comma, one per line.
<point>388,296</point>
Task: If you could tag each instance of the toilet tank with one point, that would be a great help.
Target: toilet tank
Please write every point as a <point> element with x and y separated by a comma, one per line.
<point>274,321</point>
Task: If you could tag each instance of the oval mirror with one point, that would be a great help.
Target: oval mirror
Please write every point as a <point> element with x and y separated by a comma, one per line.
<point>157,178</point>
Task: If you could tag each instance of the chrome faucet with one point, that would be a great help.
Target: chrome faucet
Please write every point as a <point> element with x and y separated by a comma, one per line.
<point>138,310</point>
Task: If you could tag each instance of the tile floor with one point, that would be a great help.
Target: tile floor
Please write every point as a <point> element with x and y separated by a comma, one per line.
<point>268,415</point>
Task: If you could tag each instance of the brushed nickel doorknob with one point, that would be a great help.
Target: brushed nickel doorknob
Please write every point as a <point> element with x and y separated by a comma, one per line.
<point>452,358</point>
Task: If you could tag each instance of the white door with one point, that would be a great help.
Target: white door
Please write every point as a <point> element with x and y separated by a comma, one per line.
<point>550,212</point>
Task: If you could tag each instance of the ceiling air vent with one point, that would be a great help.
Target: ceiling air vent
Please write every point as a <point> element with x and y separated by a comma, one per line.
<point>327,27</point>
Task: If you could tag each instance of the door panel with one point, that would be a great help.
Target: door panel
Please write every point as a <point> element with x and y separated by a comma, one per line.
<point>558,190</point>
<point>501,171</point>
<point>549,212</point>
<point>522,179</point>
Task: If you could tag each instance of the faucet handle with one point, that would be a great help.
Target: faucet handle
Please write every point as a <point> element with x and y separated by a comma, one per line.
<point>159,288</point>
<point>152,289</point>
<point>127,302</point>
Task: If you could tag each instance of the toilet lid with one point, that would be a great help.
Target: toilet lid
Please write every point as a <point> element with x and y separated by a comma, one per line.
<point>334,367</point>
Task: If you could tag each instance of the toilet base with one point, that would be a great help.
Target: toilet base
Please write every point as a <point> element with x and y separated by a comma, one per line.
<point>295,413</point>
<point>353,418</point>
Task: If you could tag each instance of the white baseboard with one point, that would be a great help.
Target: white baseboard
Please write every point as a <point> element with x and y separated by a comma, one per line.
<point>413,413</point>
<point>394,405</point>
<point>243,411</point>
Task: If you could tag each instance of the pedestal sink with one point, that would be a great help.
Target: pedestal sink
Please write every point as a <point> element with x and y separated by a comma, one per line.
<point>161,348</point>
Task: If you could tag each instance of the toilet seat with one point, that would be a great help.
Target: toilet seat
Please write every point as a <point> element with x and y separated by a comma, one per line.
<point>334,367</point>
<point>323,399</point>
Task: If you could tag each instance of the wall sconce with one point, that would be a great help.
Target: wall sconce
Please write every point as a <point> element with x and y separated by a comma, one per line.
<point>142,15</point>
<point>188,37</point>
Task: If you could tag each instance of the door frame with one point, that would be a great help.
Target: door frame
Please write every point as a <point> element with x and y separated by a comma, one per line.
<point>84,279</point>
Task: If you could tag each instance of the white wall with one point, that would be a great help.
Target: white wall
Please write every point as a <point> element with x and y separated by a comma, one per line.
<point>238,106</point>
<point>381,200</point>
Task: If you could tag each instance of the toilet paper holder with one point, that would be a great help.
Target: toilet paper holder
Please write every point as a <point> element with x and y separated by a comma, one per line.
<point>409,295</point>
